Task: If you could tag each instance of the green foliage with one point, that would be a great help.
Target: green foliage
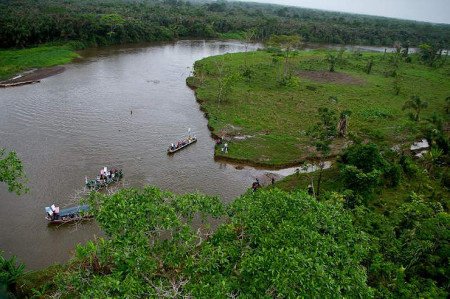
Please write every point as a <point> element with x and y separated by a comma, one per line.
<point>369,66</point>
<point>363,169</point>
<point>11,172</point>
<point>433,130</point>
<point>406,220</point>
<point>282,245</point>
<point>285,44</point>
<point>112,21</point>
<point>416,104</point>
<point>31,22</point>
<point>10,271</point>
<point>409,250</point>
<point>38,283</point>
<point>360,181</point>
<point>273,244</point>
<point>430,54</point>
<point>332,60</point>
<point>366,157</point>
<point>149,237</point>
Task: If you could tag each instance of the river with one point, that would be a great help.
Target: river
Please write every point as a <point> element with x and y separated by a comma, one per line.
<point>119,106</point>
<point>72,124</point>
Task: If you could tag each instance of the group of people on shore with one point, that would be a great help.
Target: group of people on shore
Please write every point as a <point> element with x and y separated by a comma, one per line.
<point>224,148</point>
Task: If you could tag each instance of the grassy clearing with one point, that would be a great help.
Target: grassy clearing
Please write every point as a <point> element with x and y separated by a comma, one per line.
<point>16,61</point>
<point>277,117</point>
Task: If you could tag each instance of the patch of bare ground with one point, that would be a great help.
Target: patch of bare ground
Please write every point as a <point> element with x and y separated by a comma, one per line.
<point>35,75</point>
<point>330,77</point>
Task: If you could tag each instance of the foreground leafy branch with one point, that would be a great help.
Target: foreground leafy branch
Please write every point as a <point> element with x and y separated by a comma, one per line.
<point>11,172</point>
<point>272,243</point>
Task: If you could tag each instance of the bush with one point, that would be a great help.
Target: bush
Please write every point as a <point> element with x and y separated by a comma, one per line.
<point>408,166</point>
<point>393,175</point>
<point>10,270</point>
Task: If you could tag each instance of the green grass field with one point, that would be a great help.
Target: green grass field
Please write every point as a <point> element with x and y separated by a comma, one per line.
<point>277,117</point>
<point>16,61</point>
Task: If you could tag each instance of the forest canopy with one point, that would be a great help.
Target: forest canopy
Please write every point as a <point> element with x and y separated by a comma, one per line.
<point>101,22</point>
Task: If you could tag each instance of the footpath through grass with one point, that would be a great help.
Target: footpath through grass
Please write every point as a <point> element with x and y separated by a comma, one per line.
<point>243,96</point>
<point>16,61</point>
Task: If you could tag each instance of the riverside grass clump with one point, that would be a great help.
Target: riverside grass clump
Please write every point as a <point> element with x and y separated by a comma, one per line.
<point>249,94</point>
<point>16,61</point>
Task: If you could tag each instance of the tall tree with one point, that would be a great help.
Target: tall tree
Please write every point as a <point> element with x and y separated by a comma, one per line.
<point>286,43</point>
<point>322,134</point>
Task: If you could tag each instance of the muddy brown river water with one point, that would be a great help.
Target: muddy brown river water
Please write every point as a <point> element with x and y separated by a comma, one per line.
<point>72,124</point>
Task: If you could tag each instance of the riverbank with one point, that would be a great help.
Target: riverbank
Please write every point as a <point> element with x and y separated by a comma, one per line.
<point>265,118</point>
<point>33,64</point>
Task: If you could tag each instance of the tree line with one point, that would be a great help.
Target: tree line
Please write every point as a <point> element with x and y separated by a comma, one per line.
<point>101,22</point>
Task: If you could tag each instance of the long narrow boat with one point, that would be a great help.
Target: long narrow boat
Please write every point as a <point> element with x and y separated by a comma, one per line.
<point>57,216</point>
<point>105,178</point>
<point>181,144</point>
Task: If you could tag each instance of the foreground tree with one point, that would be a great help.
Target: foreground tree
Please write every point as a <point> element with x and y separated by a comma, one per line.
<point>272,244</point>
<point>10,270</point>
<point>11,172</point>
<point>281,245</point>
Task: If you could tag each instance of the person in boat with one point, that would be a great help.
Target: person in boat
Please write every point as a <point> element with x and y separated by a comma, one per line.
<point>55,211</point>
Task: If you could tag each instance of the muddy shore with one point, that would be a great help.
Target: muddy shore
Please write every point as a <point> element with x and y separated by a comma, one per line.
<point>34,75</point>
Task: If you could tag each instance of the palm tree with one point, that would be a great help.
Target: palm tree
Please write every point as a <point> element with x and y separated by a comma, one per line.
<point>416,104</point>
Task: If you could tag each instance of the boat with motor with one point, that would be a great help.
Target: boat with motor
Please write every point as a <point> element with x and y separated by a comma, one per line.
<point>55,215</point>
<point>105,178</point>
<point>175,147</point>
